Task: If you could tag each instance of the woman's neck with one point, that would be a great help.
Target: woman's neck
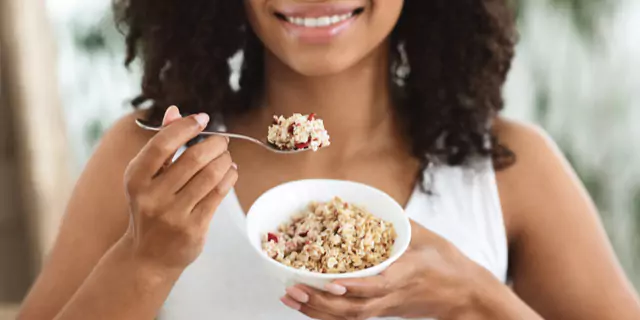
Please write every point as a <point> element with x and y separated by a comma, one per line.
<point>356,104</point>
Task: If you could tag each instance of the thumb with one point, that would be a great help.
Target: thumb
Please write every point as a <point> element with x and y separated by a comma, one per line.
<point>172,114</point>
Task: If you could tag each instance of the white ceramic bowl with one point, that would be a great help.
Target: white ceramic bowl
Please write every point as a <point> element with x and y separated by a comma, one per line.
<point>280,203</point>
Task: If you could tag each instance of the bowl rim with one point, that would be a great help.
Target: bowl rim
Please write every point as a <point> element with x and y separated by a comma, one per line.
<point>335,276</point>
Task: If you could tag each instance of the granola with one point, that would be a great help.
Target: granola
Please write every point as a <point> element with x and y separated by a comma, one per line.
<point>298,132</point>
<point>331,237</point>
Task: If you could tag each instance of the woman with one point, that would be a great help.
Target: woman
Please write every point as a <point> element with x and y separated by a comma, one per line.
<point>409,90</point>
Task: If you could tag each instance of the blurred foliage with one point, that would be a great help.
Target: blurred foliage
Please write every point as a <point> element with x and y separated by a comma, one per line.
<point>91,40</point>
<point>99,38</point>
<point>592,180</point>
<point>583,13</point>
<point>94,131</point>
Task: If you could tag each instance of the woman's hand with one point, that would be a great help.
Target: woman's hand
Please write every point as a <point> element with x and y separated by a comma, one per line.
<point>431,280</point>
<point>171,204</point>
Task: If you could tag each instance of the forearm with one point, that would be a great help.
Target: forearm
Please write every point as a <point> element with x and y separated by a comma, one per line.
<point>121,287</point>
<point>498,302</point>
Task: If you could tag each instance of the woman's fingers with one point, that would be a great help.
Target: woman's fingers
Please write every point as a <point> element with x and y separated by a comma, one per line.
<point>291,303</point>
<point>164,144</point>
<point>350,308</point>
<point>203,182</point>
<point>204,210</point>
<point>307,310</point>
<point>194,159</point>
<point>372,287</point>
<point>396,276</point>
<point>316,314</point>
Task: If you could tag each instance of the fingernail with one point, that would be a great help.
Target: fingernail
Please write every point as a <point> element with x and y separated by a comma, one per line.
<point>298,294</point>
<point>169,114</point>
<point>203,119</point>
<point>335,289</point>
<point>172,109</point>
<point>234,165</point>
<point>290,303</point>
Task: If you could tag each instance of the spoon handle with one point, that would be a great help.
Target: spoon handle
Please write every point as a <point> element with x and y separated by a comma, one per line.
<point>232,135</point>
<point>144,125</point>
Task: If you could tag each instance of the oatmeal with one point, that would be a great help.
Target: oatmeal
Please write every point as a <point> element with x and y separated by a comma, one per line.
<point>298,132</point>
<point>331,237</point>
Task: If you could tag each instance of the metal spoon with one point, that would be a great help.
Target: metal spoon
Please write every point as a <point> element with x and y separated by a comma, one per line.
<point>145,125</point>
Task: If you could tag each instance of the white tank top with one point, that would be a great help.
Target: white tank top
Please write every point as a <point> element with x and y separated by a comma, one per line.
<point>227,282</point>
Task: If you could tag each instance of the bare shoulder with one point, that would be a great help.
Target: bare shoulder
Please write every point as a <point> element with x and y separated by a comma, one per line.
<point>124,136</point>
<point>560,260</point>
<point>539,175</point>
<point>104,172</point>
<point>529,142</point>
<point>102,180</point>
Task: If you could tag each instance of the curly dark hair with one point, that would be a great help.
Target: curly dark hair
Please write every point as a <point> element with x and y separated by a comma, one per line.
<point>459,53</point>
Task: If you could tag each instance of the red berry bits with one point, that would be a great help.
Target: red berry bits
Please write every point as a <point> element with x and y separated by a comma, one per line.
<point>302,145</point>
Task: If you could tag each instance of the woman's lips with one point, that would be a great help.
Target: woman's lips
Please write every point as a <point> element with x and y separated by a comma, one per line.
<point>317,9</point>
<point>318,23</point>
<point>318,35</point>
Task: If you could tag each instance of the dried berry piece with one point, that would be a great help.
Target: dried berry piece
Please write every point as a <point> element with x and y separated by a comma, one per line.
<point>303,145</point>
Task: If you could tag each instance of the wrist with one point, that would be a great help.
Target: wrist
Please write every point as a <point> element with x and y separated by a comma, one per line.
<point>484,298</point>
<point>489,301</point>
<point>495,300</point>
<point>148,274</point>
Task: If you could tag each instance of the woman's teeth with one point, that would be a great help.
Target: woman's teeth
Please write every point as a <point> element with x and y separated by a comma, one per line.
<point>319,21</point>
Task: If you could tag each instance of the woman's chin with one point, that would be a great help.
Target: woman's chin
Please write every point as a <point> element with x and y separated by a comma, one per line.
<point>321,67</point>
<point>312,72</point>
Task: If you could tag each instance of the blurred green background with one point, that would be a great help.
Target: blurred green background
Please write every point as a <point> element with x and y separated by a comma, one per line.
<point>575,74</point>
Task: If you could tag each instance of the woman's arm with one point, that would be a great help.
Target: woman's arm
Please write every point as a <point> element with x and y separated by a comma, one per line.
<point>120,287</point>
<point>561,261</point>
<point>167,208</point>
<point>97,216</point>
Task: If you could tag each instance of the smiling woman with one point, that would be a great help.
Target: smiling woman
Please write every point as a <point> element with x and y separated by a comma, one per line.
<point>410,91</point>
<point>304,36</point>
